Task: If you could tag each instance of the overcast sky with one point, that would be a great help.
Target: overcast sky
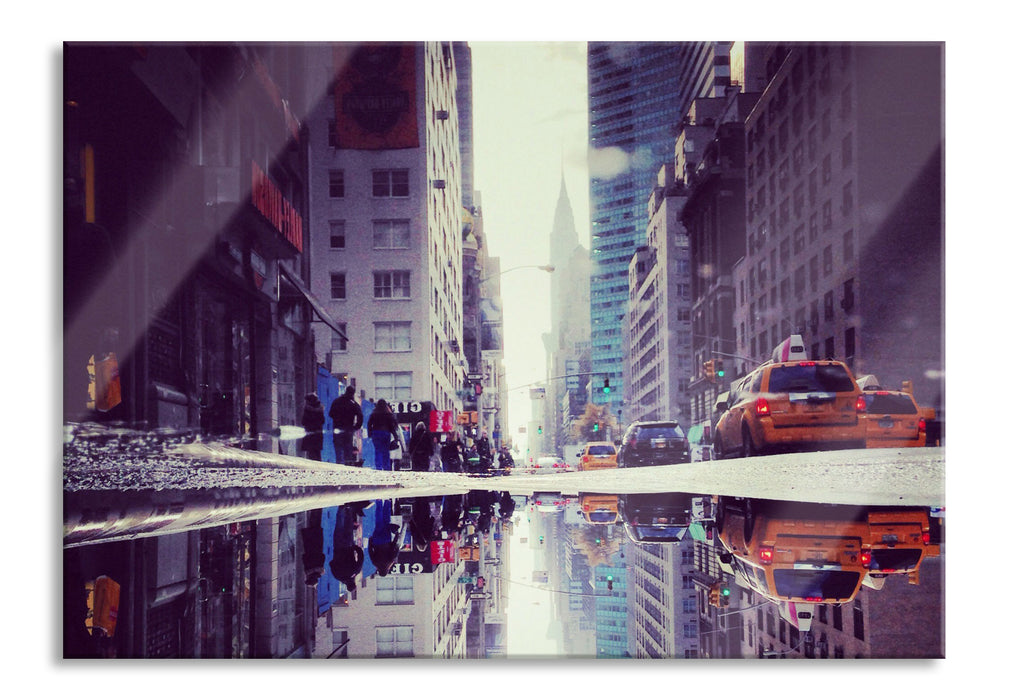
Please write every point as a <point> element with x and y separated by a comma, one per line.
<point>530,122</point>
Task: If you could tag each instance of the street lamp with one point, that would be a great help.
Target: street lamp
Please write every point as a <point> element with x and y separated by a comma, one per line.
<point>545,268</point>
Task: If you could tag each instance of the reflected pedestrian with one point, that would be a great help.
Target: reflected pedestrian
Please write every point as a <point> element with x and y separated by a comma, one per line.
<point>314,558</point>
<point>383,545</point>
<point>348,557</point>
<point>382,428</point>
<point>347,419</point>
<point>313,418</point>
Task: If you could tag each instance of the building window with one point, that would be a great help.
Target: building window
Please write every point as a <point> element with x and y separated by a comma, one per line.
<point>390,183</point>
<point>847,198</point>
<point>392,284</point>
<point>340,338</point>
<point>825,169</point>
<point>333,141</point>
<point>337,235</point>
<point>813,226</point>
<point>859,621</point>
<point>846,151</point>
<point>394,590</point>
<point>827,217</point>
<point>799,240</point>
<point>338,285</point>
<point>838,621</point>
<point>828,260</point>
<point>391,234</point>
<point>849,246</point>
<point>394,642</point>
<point>394,386</point>
<point>392,336</point>
<point>336,184</point>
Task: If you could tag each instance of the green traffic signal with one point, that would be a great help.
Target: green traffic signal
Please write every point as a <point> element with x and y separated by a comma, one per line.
<point>606,385</point>
<point>726,591</point>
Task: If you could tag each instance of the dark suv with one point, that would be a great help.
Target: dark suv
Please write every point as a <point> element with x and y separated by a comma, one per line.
<point>647,443</point>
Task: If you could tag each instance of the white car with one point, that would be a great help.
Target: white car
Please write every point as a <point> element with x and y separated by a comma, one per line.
<point>549,501</point>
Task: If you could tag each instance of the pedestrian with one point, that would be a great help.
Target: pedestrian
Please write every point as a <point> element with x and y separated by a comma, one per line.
<point>348,557</point>
<point>421,448</point>
<point>382,427</point>
<point>483,449</point>
<point>451,453</point>
<point>313,418</point>
<point>383,545</point>
<point>347,419</point>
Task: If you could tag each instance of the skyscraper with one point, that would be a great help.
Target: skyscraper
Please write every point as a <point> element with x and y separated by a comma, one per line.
<point>638,94</point>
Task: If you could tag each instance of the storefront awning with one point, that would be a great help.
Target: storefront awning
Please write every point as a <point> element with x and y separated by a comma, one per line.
<point>312,301</point>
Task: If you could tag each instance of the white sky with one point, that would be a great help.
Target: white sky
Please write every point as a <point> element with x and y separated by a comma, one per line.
<point>530,122</point>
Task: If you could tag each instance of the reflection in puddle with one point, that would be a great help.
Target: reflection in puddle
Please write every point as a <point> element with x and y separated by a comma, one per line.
<point>487,573</point>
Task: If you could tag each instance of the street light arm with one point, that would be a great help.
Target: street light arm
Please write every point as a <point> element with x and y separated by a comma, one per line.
<point>545,268</point>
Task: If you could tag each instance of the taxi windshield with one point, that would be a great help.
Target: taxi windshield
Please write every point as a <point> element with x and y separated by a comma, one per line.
<point>809,377</point>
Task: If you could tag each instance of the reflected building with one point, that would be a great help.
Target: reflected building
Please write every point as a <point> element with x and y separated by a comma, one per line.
<point>664,615</point>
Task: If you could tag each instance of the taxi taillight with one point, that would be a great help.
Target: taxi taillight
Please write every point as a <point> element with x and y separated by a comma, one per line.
<point>925,538</point>
<point>860,404</point>
<point>865,558</point>
<point>763,407</point>
<point>921,425</point>
<point>766,555</point>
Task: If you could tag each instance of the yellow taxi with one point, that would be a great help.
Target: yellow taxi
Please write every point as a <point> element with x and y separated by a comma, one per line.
<point>893,419</point>
<point>791,405</point>
<point>598,508</point>
<point>898,540</point>
<point>598,455</point>
<point>795,552</point>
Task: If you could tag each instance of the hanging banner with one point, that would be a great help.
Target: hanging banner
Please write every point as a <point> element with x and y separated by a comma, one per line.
<point>442,552</point>
<point>376,96</point>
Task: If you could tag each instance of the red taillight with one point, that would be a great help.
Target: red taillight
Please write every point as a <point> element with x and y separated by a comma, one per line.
<point>865,557</point>
<point>807,364</point>
<point>921,425</point>
<point>763,408</point>
<point>814,599</point>
<point>925,538</point>
<point>766,554</point>
<point>539,503</point>
<point>860,404</point>
<point>882,393</point>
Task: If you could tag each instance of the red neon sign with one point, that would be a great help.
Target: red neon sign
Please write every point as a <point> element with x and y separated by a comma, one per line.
<point>271,203</point>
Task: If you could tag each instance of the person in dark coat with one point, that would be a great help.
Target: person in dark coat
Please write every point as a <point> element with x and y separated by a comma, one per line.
<point>452,513</point>
<point>451,453</point>
<point>313,418</point>
<point>484,450</point>
<point>382,427</point>
<point>422,525</point>
<point>421,448</point>
<point>347,420</point>
<point>506,506</point>
<point>348,557</point>
<point>383,545</point>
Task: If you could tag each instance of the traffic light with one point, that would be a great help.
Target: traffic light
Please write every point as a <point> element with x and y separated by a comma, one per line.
<point>595,426</point>
<point>609,582</point>
<point>709,370</point>
<point>606,385</point>
<point>540,430</point>
<point>719,372</point>
<point>723,595</point>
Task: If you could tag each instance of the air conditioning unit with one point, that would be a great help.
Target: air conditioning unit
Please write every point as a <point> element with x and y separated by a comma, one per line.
<point>441,114</point>
<point>438,184</point>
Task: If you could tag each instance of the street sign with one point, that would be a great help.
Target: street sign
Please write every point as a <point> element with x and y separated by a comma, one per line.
<point>441,422</point>
<point>467,579</point>
<point>466,418</point>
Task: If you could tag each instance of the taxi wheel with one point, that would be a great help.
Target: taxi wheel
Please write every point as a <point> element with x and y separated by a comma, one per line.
<point>749,449</point>
<point>748,519</point>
